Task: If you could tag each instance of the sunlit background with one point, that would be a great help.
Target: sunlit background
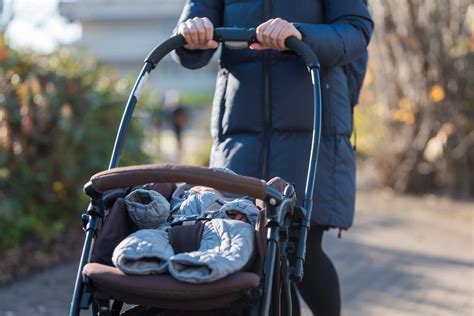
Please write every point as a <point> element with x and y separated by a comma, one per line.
<point>38,25</point>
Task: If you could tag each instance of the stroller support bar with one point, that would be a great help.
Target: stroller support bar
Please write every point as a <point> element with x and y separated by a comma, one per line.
<point>215,178</point>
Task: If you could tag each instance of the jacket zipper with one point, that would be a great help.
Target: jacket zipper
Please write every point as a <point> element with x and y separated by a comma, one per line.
<point>267,124</point>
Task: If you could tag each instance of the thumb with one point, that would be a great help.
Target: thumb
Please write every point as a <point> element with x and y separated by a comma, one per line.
<point>212,44</point>
<point>257,46</point>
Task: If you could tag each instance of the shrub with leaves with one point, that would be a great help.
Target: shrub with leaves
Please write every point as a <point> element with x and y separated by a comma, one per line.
<point>58,118</point>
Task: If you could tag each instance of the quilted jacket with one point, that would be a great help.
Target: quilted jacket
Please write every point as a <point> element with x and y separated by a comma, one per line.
<point>262,110</point>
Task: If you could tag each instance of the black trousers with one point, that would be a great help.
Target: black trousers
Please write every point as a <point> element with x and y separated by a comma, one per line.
<point>320,285</point>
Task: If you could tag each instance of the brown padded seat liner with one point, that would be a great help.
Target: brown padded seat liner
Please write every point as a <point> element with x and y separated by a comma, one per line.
<point>163,291</point>
<point>166,292</point>
<point>116,227</point>
<point>134,175</point>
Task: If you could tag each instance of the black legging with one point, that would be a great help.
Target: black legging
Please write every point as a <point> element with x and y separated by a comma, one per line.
<point>320,285</point>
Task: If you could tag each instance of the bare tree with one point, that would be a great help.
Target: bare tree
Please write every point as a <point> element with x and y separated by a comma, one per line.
<point>423,59</point>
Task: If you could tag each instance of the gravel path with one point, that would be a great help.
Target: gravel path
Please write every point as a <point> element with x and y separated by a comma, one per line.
<point>404,256</point>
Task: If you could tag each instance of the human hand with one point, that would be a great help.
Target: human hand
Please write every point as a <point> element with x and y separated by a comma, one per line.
<point>273,33</point>
<point>199,33</point>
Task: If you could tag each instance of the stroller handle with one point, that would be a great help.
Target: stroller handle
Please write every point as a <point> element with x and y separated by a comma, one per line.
<point>134,175</point>
<point>230,34</point>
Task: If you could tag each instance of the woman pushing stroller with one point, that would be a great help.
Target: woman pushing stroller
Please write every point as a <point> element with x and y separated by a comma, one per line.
<point>261,118</point>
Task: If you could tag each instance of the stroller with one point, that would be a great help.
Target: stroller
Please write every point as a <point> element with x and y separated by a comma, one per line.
<point>267,287</point>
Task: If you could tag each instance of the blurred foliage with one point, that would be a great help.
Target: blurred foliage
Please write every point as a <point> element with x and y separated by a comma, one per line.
<point>201,157</point>
<point>196,98</point>
<point>58,118</point>
<point>419,121</point>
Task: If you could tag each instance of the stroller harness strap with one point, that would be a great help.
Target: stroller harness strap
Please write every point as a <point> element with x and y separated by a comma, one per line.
<point>210,177</point>
<point>186,238</point>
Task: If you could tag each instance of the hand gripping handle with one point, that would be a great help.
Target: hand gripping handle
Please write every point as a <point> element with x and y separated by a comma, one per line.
<point>226,34</point>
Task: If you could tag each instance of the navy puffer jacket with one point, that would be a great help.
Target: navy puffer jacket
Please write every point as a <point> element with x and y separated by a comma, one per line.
<point>262,111</point>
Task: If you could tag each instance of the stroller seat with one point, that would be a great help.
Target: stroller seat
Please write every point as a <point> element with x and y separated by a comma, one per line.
<point>166,292</point>
<point>162,290</point>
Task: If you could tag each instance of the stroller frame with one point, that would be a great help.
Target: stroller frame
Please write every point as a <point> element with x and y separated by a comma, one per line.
<point>287,224</point>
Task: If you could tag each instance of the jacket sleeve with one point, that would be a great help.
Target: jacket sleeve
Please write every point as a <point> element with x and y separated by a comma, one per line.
<point>346,34</point>
<point>212,9</point>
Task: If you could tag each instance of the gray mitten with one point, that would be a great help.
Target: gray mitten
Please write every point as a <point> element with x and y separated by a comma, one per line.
<point>144,252</point>
<point>147,208</point>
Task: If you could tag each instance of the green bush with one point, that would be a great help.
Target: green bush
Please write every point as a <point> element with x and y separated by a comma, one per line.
<point>58,118</point>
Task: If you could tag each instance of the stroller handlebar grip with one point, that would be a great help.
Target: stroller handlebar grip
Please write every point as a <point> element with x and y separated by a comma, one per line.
<point>164,49</point>
<point>304,51</point>
<point>230,34</point>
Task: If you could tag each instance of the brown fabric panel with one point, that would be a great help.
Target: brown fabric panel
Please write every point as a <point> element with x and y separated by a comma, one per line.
<point>117,225</point>
<point>189,305</point>
<point>186,238</point>
<point>157,290</point>
<point>278,183</point>
<point>220,180</point>
<point>165,189</point>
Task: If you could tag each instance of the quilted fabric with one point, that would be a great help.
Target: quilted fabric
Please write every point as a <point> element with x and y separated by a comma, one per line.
<point>226,247</point>
<point>144,252</point>
<point>147,208</point>
<point>262,114</point>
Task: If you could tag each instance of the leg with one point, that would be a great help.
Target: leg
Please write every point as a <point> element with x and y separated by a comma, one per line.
<point>320,285</point>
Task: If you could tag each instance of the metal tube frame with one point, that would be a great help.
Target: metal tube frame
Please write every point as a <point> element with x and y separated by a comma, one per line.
<point>82,294</point>
<point>278,221</point>
<point>311,177</point>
